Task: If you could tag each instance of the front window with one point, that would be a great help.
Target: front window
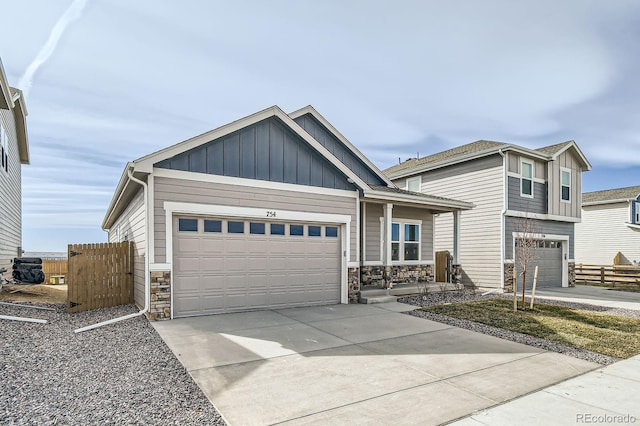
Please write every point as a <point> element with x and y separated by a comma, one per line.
<point>405,241</point>
<point>565,185</point>
<point>414,184</point>
<point>526,179</point>
<point>637,215</point>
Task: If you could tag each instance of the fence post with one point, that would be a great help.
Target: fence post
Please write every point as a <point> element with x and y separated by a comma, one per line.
<point>602,274</point>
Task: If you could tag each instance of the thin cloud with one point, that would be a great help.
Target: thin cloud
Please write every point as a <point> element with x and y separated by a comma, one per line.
<point>73,13</point>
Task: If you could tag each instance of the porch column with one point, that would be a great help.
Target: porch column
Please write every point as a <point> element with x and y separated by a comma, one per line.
<point>456,237</point>
<point>386,247</point>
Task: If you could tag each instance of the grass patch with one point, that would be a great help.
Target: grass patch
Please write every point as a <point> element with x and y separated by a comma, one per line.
<point>606,334</point>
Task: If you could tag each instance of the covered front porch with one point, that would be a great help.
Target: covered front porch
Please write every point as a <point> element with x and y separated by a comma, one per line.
<point>397,239</point>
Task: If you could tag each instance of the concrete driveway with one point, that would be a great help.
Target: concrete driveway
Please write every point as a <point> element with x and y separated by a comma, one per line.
<point>592,295</point>
<point>354,364</point>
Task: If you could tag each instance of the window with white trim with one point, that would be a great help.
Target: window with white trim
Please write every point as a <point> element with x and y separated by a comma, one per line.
<point>405,241</point>
<point>4,151</point>
<point>636,216</point>
<point>565,184</point>
<point>526,179</point>
<point>414,184</point>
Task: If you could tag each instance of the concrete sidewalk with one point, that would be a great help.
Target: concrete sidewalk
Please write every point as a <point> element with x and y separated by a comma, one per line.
<point>608,395</point>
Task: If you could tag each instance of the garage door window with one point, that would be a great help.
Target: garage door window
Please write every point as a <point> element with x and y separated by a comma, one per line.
<point>314,231</point>
<point>331,231</point>
<point>256,228</point>
<point>212,226</point>
<point>277,229</point>
<point>187,225</point>
<point>296,230</point>
<point>235,227</point>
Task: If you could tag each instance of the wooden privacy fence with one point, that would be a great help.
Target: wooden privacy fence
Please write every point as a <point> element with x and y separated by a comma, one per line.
<point>54,268</point>
<point>99,275</point>
<point>608,274</point>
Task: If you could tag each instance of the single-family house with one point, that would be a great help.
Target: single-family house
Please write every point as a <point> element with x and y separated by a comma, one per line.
<point>610,225</point>
<point>14,152</point>
<point>517,192</point>
<point>272,210</point>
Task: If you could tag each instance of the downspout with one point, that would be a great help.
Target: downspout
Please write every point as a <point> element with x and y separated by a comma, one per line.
<point>146,268</point>
<point>502,214</point>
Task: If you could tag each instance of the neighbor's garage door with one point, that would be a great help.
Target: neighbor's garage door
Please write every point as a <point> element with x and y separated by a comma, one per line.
<point>227,265</point>
<point>548,257</point>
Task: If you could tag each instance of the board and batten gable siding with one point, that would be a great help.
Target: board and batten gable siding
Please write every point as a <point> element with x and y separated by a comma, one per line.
<point>545,227</point>
<point>267,150</point>
<point>373,227</point>
<point>11,190</point>
<point>199,192</point>
<point>337,148</point>
<point>481,183</point>
<point>537,204</point>
<point>557,207</point>
<point>602,233</point>
<point>514,160</point>
<point>131,223</point>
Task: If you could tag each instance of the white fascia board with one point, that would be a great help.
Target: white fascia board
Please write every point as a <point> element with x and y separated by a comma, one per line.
<point>6,100</point>
<point>321,149</point>
<point>469,157</point>
<point>145,164</point>
<point>538,216</point>
<point>117,195</point>
<point>311,110</point>
<point>252,183</point>
<point>574,145</point>
<point>601,203</point>
<point>434,203</point>
<point>20,116</point>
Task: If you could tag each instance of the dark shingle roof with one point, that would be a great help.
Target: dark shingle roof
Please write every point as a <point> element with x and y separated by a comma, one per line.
<point>627,193</point>
<point>418,194</point>
<point>460,151</point>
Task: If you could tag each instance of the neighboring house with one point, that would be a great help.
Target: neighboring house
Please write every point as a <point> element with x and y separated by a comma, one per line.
<point>610,225</point>
<point>273,210</point>
<point>14,152</point>
<point>508,184</point>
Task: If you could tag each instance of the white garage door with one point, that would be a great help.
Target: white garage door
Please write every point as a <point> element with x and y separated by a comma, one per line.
<point>228,265</point>
<point>548,256</point>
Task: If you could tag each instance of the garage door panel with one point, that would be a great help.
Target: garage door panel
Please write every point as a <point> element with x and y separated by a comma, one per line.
<point>219,272</point>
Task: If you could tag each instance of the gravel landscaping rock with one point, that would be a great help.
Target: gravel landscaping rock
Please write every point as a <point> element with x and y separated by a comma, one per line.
<point>122,373</point>
<point>439,298</point>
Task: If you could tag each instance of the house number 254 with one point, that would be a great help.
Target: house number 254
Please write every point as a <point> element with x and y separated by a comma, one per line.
<point>271,213</point>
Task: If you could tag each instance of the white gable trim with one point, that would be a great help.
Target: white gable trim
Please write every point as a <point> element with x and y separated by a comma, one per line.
<point>311,110</point>
<point>573,145</point>
<point>145,164</point>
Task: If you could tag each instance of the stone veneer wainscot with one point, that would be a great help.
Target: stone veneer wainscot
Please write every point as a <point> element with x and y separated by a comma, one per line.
<point>160,304</point>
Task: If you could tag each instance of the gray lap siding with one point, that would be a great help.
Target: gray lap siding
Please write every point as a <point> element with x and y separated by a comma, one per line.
<point>193,191</point>
<point>545,227</point>
<point>537,204</point>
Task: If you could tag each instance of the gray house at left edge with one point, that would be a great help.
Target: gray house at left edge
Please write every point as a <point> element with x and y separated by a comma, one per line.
<point>272,210</point>
<point>510,186</point>
<point>14,152</point>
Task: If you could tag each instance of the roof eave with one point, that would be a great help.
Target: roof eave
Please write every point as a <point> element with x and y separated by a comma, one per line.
<point>602,202</point>
<point>581,155</point>
<point>445,163</point>
<point>6,100</point>
<point>108,221</point>
<point>145,164</point>
<point>311,110</point>
<point>435,203</point>
<point>20,116</point>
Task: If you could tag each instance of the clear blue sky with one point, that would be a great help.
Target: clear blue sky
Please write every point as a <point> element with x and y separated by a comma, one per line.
<point>110,81</point>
